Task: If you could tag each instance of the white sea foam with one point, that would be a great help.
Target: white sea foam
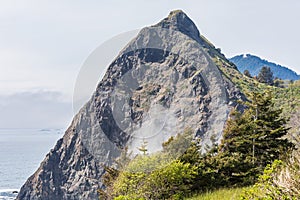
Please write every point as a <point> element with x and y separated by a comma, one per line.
<point>21,151</point>
<point>8,194</point>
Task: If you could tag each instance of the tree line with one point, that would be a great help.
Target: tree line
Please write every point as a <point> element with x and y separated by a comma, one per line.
<point>253,139</point>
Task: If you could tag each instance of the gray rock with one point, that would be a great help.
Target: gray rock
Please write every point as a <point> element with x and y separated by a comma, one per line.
<point>161,83</point>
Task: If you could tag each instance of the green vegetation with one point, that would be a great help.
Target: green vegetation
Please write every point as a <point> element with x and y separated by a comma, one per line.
<point>265,76</point>
<point>157,176</point>
<point>264,188</point>
<point>252,141</point>
<point>171,181</point>
<point>224,194</point>
<point>255,159</point>
<point>247,73</point>
<point>288,98</point>
<point>281,180</point>
<point>255,63</point>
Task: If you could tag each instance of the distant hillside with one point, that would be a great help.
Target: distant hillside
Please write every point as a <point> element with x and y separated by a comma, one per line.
<point>253,64</point>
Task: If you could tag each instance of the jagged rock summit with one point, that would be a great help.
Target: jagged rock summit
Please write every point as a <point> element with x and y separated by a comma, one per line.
<point>177,20</point>
<point>163,82</point>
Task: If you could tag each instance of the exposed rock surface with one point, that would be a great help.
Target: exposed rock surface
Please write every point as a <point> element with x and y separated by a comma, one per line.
<point>162,82</point>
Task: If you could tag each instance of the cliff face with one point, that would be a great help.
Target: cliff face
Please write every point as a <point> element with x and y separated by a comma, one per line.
<point>162,82</point>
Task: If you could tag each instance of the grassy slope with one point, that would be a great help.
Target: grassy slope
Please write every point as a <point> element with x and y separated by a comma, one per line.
<point>224,194</point>
<point>286,98</point>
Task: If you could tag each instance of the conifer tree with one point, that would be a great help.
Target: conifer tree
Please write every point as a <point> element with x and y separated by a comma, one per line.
<point>265,75</point>
<point>247,73</point>
<point>143,147</point>
<point>252,140</point>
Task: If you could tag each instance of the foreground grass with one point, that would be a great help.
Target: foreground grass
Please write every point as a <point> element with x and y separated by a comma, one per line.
<point>224,194</point>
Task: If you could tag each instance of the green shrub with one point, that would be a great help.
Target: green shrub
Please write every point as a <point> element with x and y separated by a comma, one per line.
<point>172,181</point>
<point>268,187</point>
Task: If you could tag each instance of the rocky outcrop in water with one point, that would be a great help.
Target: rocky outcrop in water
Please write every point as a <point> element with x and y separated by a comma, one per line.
<point>162,82</point>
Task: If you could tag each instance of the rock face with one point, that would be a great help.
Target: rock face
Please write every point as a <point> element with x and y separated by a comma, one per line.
<point>162,82</point>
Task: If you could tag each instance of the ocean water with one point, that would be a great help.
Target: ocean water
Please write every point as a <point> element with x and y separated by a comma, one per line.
<point>21,152</point>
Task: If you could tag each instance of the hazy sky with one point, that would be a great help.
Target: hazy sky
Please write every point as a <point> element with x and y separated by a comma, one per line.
<point>44,43</point>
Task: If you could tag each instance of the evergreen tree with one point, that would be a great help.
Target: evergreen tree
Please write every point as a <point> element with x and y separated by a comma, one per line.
<point>252,140</point>
<point>278,82</point>
<point>143,147</point>
<point>269,130</point>
<point>235,161</point>
<point>247,73</point>
<point>265,75</point>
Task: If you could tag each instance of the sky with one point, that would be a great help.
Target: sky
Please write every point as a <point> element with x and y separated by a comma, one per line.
<point>43,44</point>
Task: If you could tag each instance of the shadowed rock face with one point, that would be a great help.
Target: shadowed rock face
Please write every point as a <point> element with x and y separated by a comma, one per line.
<point>161,83</point>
